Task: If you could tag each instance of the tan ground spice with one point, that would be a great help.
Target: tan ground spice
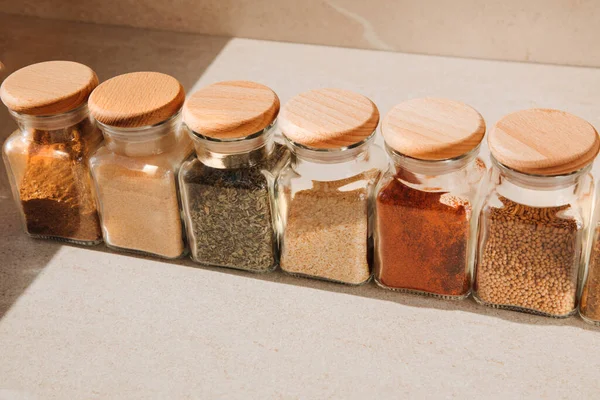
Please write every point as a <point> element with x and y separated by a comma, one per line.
<point>327,230</point>
<point>530,259</point>
<point>56,187</point>
<point>590,297</point>
<point>140,209</point>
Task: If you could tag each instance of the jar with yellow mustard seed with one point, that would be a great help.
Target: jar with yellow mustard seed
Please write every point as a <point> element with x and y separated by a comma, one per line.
<point>533,224</point>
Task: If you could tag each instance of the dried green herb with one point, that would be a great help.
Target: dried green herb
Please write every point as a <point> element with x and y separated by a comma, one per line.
<point>231,215</point>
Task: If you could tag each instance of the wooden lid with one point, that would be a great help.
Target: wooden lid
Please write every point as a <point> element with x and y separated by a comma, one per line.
<point>328,118</point>
<point>433,129</point>
<point>48,88</point>
<point>136,99</point>
<point>543,142</point>
<point>231,109</point>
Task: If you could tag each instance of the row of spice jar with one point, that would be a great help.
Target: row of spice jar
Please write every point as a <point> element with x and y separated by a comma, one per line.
<point>132,162</point>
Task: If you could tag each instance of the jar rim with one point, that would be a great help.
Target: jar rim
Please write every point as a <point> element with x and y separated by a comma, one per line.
<point>336,150</point>
<point>137,129</point>
<point>48,117</point>
<point>473,151</point>
<point>540,176</point>
<point>230,140</point>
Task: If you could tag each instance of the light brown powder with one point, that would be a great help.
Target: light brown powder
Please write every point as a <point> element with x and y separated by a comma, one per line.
<point>140,209</point>
<point>327,231</point>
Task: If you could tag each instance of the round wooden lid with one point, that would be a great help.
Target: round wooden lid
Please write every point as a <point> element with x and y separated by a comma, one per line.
<point>136,99</point>
<point>231,109</point>
<point>48,88</point>
<point>433,129</point>
<point>543,142</point>
<point>328,118</point>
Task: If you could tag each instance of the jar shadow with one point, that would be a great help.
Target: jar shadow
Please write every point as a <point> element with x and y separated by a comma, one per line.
<point>109,50</point>
<point>21,257</point>
<point>371,290</point>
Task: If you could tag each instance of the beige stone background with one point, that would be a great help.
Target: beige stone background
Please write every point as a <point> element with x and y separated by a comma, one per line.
<point>544,31</point>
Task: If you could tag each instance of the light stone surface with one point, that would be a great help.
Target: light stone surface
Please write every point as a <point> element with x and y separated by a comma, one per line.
<point>550,31</point>
<point>89,323</point>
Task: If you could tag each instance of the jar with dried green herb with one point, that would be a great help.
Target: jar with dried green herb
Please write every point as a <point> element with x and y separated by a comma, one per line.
<point>47,157</point>
<point>533,225</point>
<point>135,172</point>
<point>325,195</point>
<point>227,189</point>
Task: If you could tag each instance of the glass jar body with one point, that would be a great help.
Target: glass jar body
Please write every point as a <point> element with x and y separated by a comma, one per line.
<point>228,201</point>
<point>47,163</point>
<point>426,219</point>
<point>135,173</point>
<point>589,307</point>
<point>326,207</point>
<point>532,236</point>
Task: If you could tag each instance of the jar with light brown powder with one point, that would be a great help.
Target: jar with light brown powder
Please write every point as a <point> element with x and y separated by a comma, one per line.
<point>532,230</point>
<point>47,157</point>
<point>325,193</point>
<point>135,172</point>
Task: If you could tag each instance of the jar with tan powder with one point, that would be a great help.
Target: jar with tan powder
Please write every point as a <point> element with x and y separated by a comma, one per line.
<point>227,189</point>
<point>533,224</point>
<point>135,172</point>
<point>47,157</point>
<point>426,203</point>
<point>325,193</point>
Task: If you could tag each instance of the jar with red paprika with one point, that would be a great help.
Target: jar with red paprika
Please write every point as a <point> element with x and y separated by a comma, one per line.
<point>426,202</point>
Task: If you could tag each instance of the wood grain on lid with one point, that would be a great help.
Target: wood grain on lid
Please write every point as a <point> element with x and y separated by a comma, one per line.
<point>543,142</point>
<point>48,88</point>
<point>136,99</point>
<point>328,118</point>
<point>433,129</point>
<point>231,109</point>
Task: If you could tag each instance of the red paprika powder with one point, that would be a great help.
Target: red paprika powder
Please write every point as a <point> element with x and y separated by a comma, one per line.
<point>422,240</point>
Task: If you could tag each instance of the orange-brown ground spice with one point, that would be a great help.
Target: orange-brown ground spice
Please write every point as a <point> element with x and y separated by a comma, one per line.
<point>422,240</point>
<point>56,190</point>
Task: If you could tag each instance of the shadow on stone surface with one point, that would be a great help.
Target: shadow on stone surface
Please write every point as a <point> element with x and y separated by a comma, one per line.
<point>109,50</point>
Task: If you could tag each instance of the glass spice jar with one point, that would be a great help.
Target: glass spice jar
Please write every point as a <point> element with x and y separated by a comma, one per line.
<point>325,193</point>
<point>426,202</point>
<point>46,158</point>
<point>535,216</point>
<point>135,172</point>
<point>227,189</point>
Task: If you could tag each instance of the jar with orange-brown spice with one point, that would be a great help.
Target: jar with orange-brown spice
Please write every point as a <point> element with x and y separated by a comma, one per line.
<point>426,202</point>
<point>46,158</point>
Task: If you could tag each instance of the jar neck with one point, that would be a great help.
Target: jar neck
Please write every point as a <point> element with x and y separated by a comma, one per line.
<point>354,152</point>
<point>58,128</point>
<point>234,153</point>
<point>457,174</point>
<point>431,167</point>
<point>538,190</point>
<point>143,141</point>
